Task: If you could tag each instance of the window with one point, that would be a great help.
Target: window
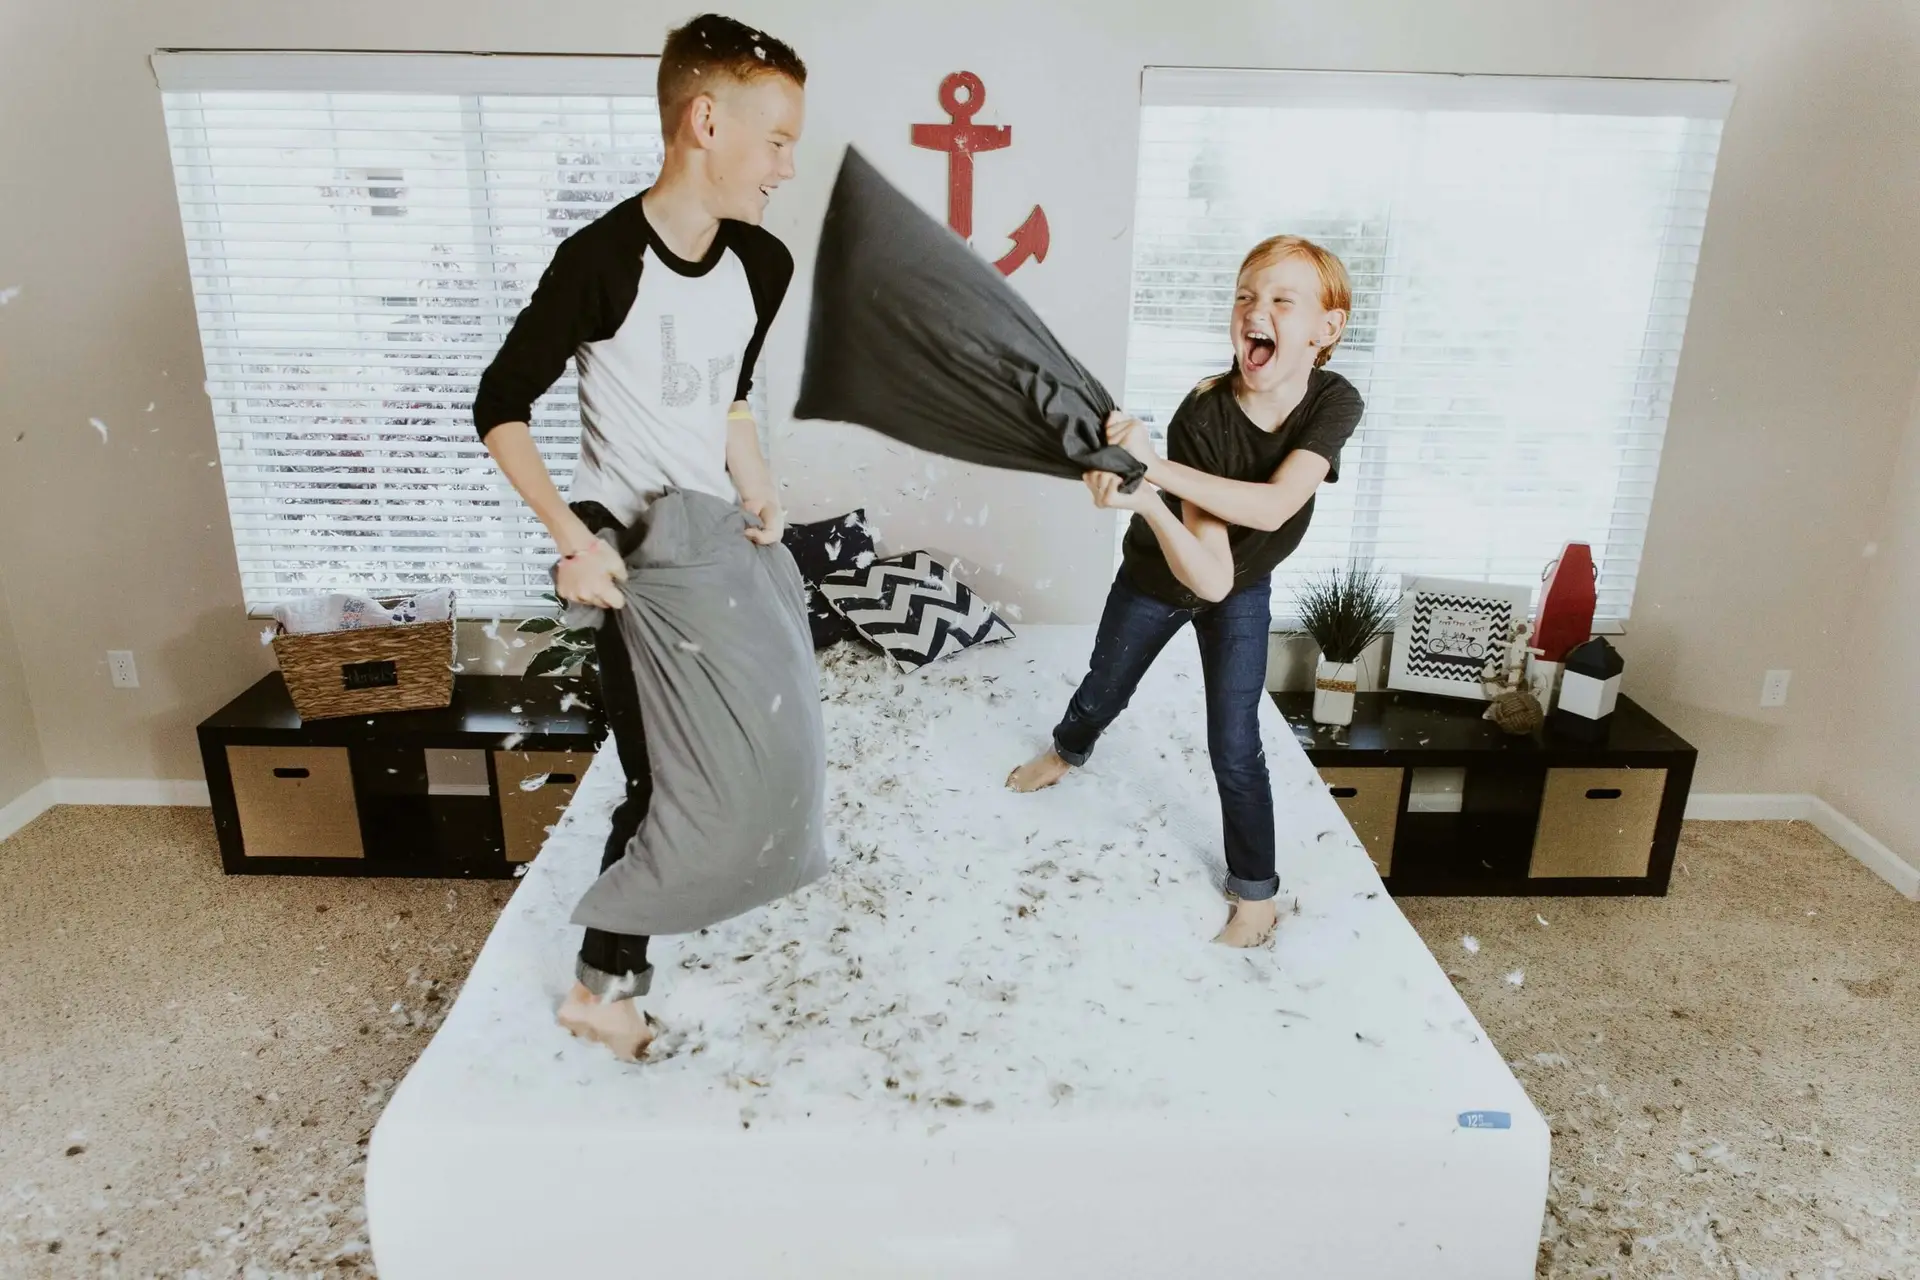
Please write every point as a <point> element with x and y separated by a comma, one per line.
<point>1522,252</point>
<point>362,230</point>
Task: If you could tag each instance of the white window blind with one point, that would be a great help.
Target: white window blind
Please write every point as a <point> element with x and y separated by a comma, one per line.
<point>1522,252</point>
<point>362,230</point>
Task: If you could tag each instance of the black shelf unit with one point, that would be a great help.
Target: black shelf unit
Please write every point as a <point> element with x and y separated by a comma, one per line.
<point>1538,814</point>
<point>354,795</point>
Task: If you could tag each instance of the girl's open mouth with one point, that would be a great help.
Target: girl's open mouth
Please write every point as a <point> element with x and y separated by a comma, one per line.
<point>1259,350</point>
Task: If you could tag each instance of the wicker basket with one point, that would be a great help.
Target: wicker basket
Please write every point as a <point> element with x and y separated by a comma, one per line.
<point>351,673</point>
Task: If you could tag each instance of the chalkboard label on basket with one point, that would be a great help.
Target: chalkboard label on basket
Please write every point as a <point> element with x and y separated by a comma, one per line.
<point>1485,1120</point>
<point>369,675</point>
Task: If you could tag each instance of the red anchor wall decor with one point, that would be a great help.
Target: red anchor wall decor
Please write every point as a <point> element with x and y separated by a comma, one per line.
<point>962,95</point>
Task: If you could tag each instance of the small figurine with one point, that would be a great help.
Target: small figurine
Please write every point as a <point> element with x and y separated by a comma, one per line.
<point>1511,705</point>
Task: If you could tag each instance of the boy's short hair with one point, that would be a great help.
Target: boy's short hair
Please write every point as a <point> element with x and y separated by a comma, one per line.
<point>1336,286</point>
<point>712,47</point>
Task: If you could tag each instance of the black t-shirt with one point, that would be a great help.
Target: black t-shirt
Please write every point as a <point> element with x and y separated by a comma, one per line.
<point>1211,433</point>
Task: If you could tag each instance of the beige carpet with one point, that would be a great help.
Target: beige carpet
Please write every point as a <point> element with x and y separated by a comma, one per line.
<point>192,1062</point>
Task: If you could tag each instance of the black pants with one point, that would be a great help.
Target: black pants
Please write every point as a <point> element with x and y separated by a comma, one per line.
<point>618,955</point>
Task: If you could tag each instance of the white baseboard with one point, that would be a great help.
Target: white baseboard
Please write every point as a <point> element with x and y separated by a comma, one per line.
<point>129,791</point>
<point>1836,826</point>
<point>1738,807</point>
<point>181,791</point>
<point>1858,841</point>
<point>24,808</point>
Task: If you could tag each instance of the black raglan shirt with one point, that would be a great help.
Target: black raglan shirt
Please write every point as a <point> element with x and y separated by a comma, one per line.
<point>664,347</point>
<point>1210,432</point>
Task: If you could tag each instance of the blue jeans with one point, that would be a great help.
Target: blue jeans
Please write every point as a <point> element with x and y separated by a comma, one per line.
<point>1233,657</point>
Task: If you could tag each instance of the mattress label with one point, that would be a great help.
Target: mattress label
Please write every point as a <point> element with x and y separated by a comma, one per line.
<point>1485,1120</point>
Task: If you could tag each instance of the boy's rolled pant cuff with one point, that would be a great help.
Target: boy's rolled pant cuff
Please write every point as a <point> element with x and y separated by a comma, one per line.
<point>1252,890</point>
<point>613,986</point>
<point>1074,758</point>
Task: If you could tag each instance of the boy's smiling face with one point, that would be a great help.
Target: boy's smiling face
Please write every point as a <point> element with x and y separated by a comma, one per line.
<point>1280,324</point>
<point>748,130</point>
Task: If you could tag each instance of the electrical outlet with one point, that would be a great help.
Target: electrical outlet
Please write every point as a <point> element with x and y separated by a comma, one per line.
<point>1773,690</point>
<point>120,666</point>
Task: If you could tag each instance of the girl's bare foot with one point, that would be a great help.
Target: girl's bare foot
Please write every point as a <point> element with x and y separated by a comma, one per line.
<point>617,1024</point>
<point>1043,770</point>
<point>1251,924</point>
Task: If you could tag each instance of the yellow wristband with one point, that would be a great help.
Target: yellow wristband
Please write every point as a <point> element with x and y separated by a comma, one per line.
<point>746,414</point>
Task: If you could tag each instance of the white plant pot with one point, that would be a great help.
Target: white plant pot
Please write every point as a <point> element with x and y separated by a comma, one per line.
<point>1333,687</point>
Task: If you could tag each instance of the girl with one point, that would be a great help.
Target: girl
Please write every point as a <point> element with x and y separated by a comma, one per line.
<point>1245,452</point>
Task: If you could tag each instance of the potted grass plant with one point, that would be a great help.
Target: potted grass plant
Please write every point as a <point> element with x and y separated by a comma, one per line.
<point>1344,610</point>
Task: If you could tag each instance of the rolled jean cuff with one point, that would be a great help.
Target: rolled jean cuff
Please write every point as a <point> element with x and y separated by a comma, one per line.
<point>1074,758</point>
<point>613,986</point>
<point>1253,890</point>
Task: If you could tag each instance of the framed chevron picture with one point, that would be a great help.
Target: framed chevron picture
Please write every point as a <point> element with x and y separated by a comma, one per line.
<point>1448,630</point>
<point>913,607</point>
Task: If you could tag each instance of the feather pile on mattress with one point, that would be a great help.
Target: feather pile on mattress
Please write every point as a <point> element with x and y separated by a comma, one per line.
<point>974,950</point>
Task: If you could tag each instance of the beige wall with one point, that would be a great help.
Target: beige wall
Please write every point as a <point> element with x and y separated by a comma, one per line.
<point>1873,768</point>
<point>21,765</point>
<point>1793,390</point>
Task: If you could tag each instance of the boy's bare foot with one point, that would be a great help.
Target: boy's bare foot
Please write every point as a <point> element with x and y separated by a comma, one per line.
<point>1251,924</point>
<point>617,1024</point>
<point>1042,771</point>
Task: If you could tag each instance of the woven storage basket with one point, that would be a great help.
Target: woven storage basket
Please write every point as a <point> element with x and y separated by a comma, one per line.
<point>350,673</point>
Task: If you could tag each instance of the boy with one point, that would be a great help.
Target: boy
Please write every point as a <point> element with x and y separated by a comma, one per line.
<point>664,301</point>
<point>1245,452</point>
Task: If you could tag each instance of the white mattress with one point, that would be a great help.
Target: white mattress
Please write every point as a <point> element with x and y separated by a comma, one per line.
<point>995,1041</point>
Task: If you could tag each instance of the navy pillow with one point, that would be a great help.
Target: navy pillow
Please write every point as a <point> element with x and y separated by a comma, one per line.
<point>829,546</point>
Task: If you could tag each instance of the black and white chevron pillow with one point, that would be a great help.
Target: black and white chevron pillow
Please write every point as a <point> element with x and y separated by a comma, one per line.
<point>911,606</point>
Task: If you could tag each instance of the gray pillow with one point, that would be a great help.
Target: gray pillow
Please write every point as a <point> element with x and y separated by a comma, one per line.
<point>716,629</point>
